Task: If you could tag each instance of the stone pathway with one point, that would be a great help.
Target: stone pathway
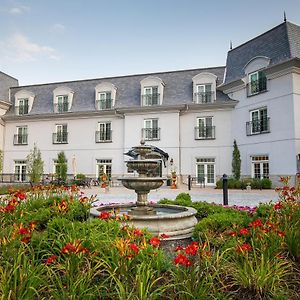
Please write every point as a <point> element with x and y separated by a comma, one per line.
<point>236,197</point>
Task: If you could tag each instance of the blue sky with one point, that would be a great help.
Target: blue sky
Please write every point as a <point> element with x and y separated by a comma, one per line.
<point>47,41</point>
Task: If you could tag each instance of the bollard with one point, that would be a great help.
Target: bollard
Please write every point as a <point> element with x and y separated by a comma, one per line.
<point>225,189</point>
<point>189,182</point>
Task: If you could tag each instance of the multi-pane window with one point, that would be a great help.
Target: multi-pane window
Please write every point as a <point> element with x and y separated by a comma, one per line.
<point>151,131</point>
<point>203,93</point>
<point>257,83</point>
<point>260,122</point>
<point>60,136</point>
<point>260,166</point>
<point>151,96</point>
<point>104,132</point>
<point>20,170</point>
<point>103,166</point>
<point>205,169</point>
<point>62,104</point>
<point>23,107</point>
<point>21,138</point>
<point>104,101</point>
<point>204,129</point>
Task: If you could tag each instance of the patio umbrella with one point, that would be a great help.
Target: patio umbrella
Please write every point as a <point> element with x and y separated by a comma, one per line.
<point>74,166</point>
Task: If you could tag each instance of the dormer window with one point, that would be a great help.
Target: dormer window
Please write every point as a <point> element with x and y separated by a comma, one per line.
<point>23,102</point>
<point>23,107</point>
<point>151,96</point>
<point>104,101</point>
<point>204,93</point>
<point>257,83</point>
<point>62,104</point>
<point>204,88</point>
<point>105,96</point>
<point>152,91</point>
<point>62,99</point>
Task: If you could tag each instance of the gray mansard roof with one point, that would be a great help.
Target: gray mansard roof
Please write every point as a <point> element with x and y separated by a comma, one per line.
<point>178,90</point>
<point>280,44</point>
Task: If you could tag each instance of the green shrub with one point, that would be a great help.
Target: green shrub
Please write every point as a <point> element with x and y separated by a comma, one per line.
<point>266,183</point>
<point>183,199</point>
<point>80,176</point>
<point>205,209</point>
<point>219,184</point>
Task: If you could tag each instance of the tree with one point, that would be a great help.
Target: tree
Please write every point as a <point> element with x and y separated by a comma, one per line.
<point>61,166</point>
<point>35,165</point>
<point>236,161</point>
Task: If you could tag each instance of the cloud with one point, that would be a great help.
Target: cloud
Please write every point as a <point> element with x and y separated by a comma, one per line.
<point>19,10</point>
<point>19,48</point>
<point>58,28</point>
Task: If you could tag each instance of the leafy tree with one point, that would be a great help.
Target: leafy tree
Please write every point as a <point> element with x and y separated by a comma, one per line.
<point>236,161</point>
<point>35,165</point>
<point>61,166</point>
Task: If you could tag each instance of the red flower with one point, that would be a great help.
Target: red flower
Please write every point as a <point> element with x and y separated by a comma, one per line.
<point>181,259</point>
<point>280,233</point>
<point>278,206</point>
<point>244,231</point>
<point>51,259</point>
<point>192,248</point>
<point>104,215</point>
<point>245,247</point>
<point>20,195</point>
<point>68,248</point>
<point>155,241</point>
<point>178,248</point>
<point>26,239</point>
<point>232,233</point>
<point>24,231</point>
<point>134,248</point>
<point>256,223</point>
<point>137,232</point>
<point>164,236</point>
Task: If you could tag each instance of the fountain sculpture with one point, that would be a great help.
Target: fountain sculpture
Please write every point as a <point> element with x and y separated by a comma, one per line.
<point>177,222</point>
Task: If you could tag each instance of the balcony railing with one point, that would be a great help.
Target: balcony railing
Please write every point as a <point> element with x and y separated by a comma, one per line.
<point>151,99</point>
<point>104,104</point>
<point>103,136</point>
<point>205,133</point>
<point>151,134</point>
<point>204,97</point>
<point>21,139</point>
<point>61,107</point>
<point>60,138</point>
<point>22,110</point>
<point>257,86</point>
<point>258,126</point>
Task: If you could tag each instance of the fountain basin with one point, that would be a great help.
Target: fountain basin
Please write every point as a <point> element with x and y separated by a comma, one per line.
<point>175,221</point>
<point>142,183</point>
<point>142,166</point>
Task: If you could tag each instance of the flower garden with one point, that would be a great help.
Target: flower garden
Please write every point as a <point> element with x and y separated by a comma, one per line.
<point>51,249</point>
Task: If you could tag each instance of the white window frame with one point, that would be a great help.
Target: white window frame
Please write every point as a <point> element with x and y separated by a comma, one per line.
<point>104,127</point>
<point>205,161</point>
<point>205,136</point>
<point>260,160</point>
<point>259,119</point>
<point>59,128</point>
<point>149,124</point>
<point>199,97</point>
<point>20,176</point>
<point>106,164</point>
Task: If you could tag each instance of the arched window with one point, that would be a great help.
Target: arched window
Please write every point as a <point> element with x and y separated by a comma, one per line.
<point>204,88</point>
<point>105,93</point>
<point>23,102</point>
<point>62,99</point>
<point>152,91</point>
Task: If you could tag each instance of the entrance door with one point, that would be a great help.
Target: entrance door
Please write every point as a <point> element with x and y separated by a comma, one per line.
<point>205,170</point>
<point>20,171</point>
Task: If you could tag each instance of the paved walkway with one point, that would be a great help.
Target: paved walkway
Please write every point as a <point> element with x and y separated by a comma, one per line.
<point>236,197</point>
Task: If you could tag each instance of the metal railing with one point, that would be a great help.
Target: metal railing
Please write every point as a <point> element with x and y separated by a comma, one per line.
<point>103,136</point>
<point>151,134</point>
<point>151,99</point>
<point>22,110</point>
<point>104,104</point>
<point>258,126</point>
<point>205,133</point>
<point>257,86</point>
<point>60,138</point>
<point>204,97</point>
<point>20,139</point>
<point>61,107</point>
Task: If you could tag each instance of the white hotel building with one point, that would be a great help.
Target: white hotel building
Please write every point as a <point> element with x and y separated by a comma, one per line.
<point>193,115</point>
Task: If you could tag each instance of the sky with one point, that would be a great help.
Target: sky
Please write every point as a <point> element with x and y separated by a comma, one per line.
<point>62,40</point>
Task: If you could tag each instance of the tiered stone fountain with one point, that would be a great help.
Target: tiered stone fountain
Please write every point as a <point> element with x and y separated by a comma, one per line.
<point>175,221</point>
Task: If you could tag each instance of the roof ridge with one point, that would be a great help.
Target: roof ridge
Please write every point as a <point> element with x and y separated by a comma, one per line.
<point>121,76</point>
